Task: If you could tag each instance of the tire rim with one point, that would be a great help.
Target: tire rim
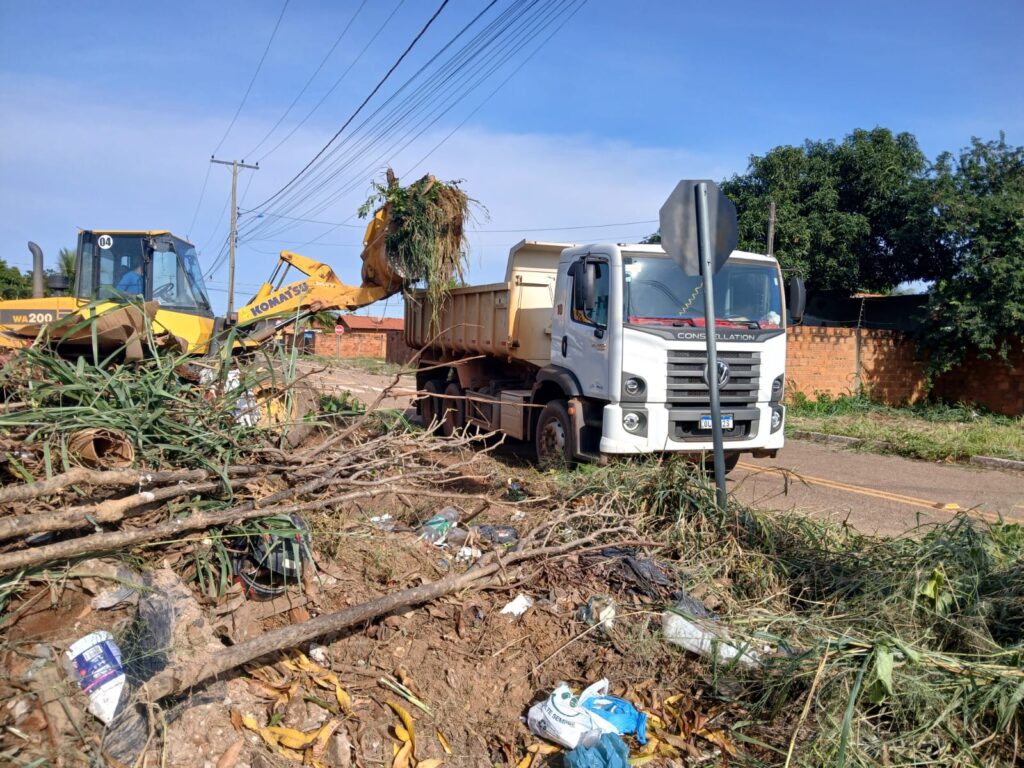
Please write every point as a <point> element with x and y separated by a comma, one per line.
<point>552,440</point>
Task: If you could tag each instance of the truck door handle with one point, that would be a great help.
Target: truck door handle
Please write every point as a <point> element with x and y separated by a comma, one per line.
<point>565,345</point>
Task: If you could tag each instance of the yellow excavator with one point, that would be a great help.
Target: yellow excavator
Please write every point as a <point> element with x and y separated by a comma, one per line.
<point>115,269</point>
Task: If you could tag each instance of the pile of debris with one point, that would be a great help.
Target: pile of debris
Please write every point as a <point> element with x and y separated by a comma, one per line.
<point>181,586</point>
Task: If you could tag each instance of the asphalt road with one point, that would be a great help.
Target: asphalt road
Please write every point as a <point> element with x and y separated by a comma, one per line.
<point>887,495</point>
<point>875,494</point>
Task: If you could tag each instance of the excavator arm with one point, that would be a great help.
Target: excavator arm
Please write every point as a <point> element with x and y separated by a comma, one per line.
<point>321,289</point>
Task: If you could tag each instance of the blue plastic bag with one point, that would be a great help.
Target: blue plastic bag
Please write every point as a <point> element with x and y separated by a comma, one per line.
<point>609,752</point>
<point>620,713</point>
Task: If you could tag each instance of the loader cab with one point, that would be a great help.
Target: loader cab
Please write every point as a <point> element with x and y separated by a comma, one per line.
<point>154,266</point>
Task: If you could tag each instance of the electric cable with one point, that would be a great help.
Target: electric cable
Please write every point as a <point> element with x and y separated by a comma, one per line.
<point>359,109</point>
<point>309,82</point>
<point>381,128</point>
<point>513,46</point>
<point>252,82</point>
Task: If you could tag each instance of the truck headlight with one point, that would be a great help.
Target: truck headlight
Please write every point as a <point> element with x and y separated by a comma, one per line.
<point>632,422</point>
<point>634,388</point>
<point>777,387</point>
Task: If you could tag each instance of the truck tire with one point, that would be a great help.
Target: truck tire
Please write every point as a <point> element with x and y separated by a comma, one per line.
<point>430,403</point>
<point>454,414</point>
<point>553,438</point>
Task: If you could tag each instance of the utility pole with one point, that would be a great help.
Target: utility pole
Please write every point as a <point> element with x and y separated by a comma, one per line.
<point>235,165</point>
<point>771,228</point>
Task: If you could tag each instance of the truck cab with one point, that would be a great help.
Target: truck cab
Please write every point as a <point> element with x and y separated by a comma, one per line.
<point>629,328</point>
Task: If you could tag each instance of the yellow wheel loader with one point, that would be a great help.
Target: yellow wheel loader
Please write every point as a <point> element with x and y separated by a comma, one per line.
<point>116,271</point>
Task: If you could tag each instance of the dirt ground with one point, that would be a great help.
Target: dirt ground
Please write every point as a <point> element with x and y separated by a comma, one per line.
<point>475,669</point>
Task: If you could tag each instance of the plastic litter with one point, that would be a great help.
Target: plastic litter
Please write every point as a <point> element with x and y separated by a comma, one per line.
<point>569,720</point>
<point>385,522</point>
<point>700,632</point>
<point>98,664</point>
<point>599,610</point>
<point>468,554</point>
<point>435,530</point>
<point>497,534</point>
<point>518,606</point>
<point>609,752</point>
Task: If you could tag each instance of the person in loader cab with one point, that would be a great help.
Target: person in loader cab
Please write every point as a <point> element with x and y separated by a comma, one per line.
<point>132,282</point>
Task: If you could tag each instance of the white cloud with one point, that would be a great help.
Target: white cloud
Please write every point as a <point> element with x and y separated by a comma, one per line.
<point>68,159</point>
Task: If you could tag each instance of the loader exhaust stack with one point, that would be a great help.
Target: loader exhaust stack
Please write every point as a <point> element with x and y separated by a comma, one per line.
<point>38,290</point>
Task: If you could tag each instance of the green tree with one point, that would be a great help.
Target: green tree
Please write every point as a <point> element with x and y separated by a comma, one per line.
<point>66,264</point>
<point>860,214</point>
<point>13,284</point>
<point>980,305</point>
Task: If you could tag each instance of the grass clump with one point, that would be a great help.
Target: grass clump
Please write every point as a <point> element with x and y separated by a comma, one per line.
<point>425,240</point>
<point>930,431</point>
<point>913,647</point>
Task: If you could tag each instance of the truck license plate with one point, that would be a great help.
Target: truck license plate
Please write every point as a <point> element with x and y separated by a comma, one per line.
<point>705,421</point>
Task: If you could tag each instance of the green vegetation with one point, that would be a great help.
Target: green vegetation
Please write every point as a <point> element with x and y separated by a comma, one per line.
<point>927,431</point>
<point>871,211</point>
<point>426,236</point>
<point>13,284</point>
<point>905,651</point>
<point>981,304</point>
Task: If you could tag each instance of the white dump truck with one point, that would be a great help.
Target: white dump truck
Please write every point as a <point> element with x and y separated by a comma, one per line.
<point>599,350</point>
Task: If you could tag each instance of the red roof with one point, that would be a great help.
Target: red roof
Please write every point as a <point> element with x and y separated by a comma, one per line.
<point>365,323</point>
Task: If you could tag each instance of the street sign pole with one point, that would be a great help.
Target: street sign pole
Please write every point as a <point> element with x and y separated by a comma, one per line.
<point>707,269</point>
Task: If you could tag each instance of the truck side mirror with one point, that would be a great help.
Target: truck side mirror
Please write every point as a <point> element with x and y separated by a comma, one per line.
<point>797,300</point>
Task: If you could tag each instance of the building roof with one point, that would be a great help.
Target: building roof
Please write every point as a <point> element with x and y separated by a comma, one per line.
<point>365,323</point>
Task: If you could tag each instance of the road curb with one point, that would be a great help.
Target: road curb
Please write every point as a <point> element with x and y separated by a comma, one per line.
<point>987,462</point>
<point>991,462</point>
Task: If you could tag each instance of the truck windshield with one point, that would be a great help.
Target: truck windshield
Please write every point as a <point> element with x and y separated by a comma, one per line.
<point>658,292</point>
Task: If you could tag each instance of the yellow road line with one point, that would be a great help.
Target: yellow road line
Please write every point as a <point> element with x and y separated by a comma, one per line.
<point>873,492</point>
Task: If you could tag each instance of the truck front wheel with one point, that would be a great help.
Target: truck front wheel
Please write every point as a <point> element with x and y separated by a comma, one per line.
<point>554,436</point>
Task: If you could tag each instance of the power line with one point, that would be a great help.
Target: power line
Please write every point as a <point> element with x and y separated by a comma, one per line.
<point>510,45</point>
<point>359,109</point>
<point>253,80</point>
<point>309,82</point>
<point>403,111</point>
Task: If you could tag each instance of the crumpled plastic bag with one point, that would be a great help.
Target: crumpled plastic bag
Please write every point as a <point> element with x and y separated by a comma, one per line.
<point>609,752</point>
<point>567,719</point>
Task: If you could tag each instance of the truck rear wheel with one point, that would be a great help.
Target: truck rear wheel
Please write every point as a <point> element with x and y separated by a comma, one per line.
<point>454,404</point>
<point>430,403</point>
<point>554,436</point>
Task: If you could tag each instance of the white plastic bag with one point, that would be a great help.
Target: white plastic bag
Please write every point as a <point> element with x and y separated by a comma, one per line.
<point>706,638</point>
<point>562,718</point>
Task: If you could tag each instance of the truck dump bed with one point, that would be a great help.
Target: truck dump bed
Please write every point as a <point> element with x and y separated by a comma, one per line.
<point>509,320</point>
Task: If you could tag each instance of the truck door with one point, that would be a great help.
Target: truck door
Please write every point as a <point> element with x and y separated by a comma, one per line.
<point>583,347</point>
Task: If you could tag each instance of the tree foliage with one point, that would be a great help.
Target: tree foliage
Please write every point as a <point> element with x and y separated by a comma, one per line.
<point>856,214</point>
<point>13,284</point>
<point>981,303</point>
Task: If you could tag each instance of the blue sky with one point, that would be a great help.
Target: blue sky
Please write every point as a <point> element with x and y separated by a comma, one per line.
<point>111,110</point>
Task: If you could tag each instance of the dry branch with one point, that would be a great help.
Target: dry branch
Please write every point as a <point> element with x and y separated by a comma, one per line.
<point>179,678</point>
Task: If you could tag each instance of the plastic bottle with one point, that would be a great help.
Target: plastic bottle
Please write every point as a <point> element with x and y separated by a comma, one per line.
<point>435,530</point>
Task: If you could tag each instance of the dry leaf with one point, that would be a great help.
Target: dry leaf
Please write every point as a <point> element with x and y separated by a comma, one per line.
<point>431,763</point>
<point>444,742</point>
<point>230,756</point>
<point>719,738</point>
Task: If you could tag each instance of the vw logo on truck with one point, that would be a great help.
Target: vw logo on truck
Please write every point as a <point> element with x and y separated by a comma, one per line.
<point>723,374</point>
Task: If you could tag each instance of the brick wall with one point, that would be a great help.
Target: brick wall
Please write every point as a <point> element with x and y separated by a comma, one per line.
<point>891,371</point>
<point>992,383</point>
<point>350,344</point>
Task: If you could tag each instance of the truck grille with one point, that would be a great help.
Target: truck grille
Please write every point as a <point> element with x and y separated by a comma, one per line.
<point>686,385</point>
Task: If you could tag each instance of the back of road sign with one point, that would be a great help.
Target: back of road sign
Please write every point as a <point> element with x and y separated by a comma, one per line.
<point>679,236</point>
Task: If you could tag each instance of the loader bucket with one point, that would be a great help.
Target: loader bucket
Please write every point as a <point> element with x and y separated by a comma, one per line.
<point>378,270</point>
